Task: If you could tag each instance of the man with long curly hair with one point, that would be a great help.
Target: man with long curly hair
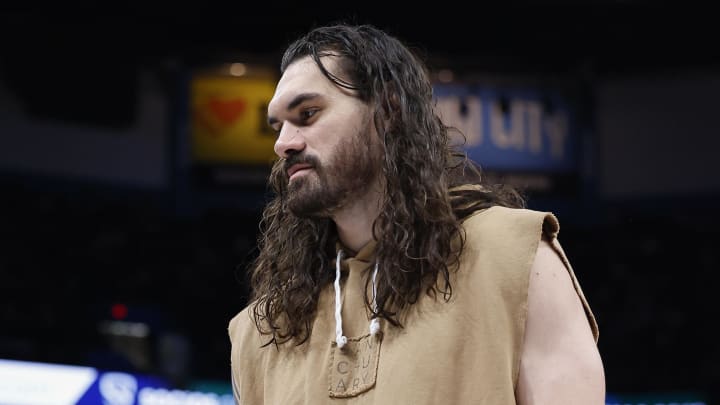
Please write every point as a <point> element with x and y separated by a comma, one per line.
<point>388,273</point>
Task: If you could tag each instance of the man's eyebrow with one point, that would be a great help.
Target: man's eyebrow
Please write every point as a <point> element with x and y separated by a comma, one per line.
<point>299,99</point>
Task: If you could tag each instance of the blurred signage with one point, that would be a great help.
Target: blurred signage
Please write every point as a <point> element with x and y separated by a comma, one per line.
<point>39,384</point>
<point>34,383</point>
<point>511,130</point>
<point>659,398</point>
<point>228,119</point>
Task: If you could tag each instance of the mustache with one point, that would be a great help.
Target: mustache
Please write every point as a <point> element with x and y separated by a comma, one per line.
<point>300,159</point>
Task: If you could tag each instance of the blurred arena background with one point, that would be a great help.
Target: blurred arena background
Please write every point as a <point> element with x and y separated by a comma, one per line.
<point>134,153</point>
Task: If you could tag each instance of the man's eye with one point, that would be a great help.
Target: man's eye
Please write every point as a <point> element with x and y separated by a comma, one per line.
<point>307,114</point>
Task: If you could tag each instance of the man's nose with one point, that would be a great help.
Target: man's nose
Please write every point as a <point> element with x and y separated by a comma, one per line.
<point>290,141</point>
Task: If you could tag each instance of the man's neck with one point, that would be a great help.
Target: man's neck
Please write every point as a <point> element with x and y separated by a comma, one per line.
<point>354,222</point>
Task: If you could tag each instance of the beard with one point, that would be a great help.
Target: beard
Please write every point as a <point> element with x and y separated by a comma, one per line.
<point>353,167</point>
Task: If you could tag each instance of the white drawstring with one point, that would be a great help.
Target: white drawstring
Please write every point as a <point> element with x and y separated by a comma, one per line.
<point>340,339</point>
<point>375,322</point>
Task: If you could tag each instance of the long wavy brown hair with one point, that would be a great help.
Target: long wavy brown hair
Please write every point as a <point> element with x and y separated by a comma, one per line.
<point>419,231</point>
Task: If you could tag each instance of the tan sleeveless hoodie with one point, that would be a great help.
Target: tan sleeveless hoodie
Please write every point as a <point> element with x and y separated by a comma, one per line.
<point>465,351</point>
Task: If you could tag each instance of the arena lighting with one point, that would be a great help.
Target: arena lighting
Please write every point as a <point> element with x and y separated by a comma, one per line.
<point>122,328</point>
<point>119,311</point>
<point>238,69</point>
<point>39,384</point>
<point>445,76</point>
<point>36,383</point>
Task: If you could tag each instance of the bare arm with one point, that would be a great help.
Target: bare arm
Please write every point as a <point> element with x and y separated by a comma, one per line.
<point>560,361</point>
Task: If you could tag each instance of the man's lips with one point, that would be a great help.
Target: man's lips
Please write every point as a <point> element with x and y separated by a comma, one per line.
<point>297,167</point>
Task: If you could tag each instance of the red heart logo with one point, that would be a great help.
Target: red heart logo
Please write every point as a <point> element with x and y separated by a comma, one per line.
<point>227,111</point>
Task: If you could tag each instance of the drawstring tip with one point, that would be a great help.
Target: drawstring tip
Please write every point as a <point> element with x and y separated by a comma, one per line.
<point>341,341</point>
<point>374,326</point>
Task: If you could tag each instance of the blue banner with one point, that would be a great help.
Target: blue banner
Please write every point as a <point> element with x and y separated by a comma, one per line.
<point>512,129</point>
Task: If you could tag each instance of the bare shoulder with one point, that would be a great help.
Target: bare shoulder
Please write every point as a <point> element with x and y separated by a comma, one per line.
<point>560,361</point>
<point>552,286</point>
